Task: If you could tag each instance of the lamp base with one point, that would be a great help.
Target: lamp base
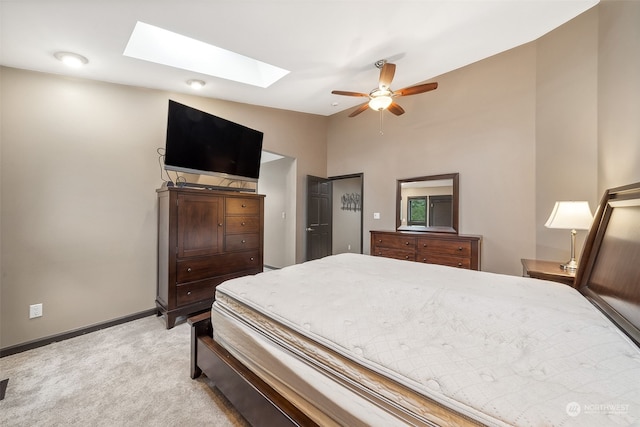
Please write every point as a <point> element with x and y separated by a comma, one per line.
<point>570,265</point>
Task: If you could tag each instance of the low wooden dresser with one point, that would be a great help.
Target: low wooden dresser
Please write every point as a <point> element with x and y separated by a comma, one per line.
<point>204,238</point>
<point>454,250</point>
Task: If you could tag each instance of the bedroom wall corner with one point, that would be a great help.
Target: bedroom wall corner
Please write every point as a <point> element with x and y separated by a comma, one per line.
<point>618,94</point>
<point>566,127</point>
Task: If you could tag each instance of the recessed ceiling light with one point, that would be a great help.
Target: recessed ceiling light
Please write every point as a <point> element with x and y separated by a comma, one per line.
<point>71,59</point>
<point>196,84</point>
<point>161,46</point>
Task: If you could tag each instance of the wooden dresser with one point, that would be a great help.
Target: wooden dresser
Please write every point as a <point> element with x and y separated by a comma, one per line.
<point>454,250</point>
<point>204,238</point>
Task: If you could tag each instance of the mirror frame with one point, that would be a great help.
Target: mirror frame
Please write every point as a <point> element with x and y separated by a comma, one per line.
<point>455,177</point>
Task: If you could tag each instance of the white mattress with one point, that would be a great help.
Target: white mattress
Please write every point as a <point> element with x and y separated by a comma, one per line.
<point>498,349</point>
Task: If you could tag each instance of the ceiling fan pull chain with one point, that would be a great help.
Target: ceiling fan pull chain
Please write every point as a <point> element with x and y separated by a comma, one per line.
<point>381,132</point>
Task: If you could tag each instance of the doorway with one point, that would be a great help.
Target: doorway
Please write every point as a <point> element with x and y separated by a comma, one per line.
<point>347,213</point>
<point>278,183</point>
<point>334,215</point>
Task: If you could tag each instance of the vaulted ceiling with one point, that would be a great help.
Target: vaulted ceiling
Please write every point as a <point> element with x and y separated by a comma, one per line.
<point>324,44</point>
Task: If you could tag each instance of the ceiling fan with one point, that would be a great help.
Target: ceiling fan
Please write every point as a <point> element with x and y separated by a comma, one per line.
<point>381,98</point>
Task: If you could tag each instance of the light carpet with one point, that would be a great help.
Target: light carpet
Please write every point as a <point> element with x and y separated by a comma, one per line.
<point>134,374</point>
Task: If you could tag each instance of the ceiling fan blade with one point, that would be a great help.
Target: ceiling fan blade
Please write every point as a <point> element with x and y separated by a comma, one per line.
<point>395,109</point>
<point>347,93</point>
<point>359,110</point>
<point>414,90</point>
<point>387,72</point>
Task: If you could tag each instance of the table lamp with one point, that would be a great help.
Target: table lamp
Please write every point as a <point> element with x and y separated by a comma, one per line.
<point>570,216</point>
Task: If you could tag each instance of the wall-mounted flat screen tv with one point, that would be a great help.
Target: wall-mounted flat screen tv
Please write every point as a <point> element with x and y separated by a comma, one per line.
<point>201,143</point>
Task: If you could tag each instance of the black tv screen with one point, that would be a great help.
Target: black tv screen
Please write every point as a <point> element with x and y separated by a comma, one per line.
<point>201,143</point>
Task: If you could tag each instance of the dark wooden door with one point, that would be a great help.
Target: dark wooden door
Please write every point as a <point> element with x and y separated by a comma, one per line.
<point>440,211</point>
<point>318,226</point>
<point>200,225</point>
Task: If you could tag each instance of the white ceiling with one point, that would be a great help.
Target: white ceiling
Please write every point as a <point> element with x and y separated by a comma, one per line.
<point>326,44</point>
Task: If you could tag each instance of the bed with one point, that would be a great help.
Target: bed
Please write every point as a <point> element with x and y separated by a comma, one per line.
<point>360,340</point>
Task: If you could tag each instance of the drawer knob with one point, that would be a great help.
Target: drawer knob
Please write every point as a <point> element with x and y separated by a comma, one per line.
<point>189,293</point>
<point>244,206</point>
<point>244,241</point>
<point>424,245</point>
<point>406,257</point>
<point>189,270</point>
<point>406,243</point>
<point>252,258</point>
<point>460,248</point>
<point>219,224</point>
<point>459,264</point>
<point>379,240</point>
<point>243,223</point>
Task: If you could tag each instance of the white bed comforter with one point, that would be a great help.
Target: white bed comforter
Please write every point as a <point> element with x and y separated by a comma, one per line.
<point>499,349</point>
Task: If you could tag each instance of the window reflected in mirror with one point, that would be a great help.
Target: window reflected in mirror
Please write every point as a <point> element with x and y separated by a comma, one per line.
<point>417,210</point>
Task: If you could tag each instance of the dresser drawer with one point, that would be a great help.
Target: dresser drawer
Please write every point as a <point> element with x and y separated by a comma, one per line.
<point>204,289</point>
<point>241,242</point>
<point>241,206</point>
<point>445,260</point>
<point>395,253</point>
<point>395,242</point>
<point>242,224</point>
<point>197,291</point>
<point>190,270</point>
<point>441,246</point>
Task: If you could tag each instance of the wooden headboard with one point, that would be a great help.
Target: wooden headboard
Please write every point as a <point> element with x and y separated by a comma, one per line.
<point>609,270</point>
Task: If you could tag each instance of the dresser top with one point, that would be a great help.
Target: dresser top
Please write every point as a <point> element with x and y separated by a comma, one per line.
<point>430,235</point>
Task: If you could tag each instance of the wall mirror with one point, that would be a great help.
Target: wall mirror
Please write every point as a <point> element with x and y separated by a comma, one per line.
<point>428,203</point>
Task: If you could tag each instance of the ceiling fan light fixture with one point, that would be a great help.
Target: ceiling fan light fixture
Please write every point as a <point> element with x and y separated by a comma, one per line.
<point>381,98</point>
<point>380,101</point>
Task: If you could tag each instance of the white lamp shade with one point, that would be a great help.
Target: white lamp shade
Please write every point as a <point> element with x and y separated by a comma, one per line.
<point>570,216</point>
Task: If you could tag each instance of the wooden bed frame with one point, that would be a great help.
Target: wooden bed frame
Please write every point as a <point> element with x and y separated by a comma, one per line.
<point>608,275</point>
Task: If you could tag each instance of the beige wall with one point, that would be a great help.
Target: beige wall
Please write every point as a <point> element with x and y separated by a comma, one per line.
<point>480,122</point>
<point>79,172</point>
<point>566,128</point>
<point>618,94</point>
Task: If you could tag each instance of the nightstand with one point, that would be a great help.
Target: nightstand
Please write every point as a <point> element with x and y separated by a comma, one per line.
<point>547,270</point>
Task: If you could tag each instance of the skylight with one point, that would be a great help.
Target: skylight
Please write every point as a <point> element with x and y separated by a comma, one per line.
<point>161,46</point>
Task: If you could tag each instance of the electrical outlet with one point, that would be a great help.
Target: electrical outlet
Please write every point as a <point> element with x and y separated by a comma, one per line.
<point>376,215</point>
<point>35,310</point>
